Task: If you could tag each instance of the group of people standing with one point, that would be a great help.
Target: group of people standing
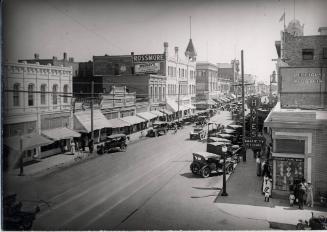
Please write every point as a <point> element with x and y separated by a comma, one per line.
<point>80,144</point>
<point>263,169</point>
<point>302,194</point>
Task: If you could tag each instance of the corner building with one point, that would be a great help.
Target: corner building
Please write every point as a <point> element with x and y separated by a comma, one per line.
<point>298,123</point>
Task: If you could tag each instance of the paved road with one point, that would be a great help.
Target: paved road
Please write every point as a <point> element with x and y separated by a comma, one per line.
<point>149,187</point>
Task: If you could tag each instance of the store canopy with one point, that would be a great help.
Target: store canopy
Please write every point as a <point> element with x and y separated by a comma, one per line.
<point>132,120</point>
<point>157,113</point>
<point>147,115</point>
<point>60,133</point>
<point>82,121</point>
<point>165,111</point>
<point>117,123</point>
<point>172,105</point>
<point>233,96</point>
<point>211,102</point>
<point>29,141</point>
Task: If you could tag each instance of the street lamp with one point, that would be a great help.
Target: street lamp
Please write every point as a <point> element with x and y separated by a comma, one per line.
<point>224,151</point>
<point>272,81</point>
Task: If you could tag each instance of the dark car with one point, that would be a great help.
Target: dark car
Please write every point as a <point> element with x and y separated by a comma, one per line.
<point>112,142</point>
<point>158,128</point>
<point>205,163</point>
<point>14,217</point>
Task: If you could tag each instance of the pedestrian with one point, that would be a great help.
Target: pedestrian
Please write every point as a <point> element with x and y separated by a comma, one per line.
<point>175,129</point>
<point>264,183</point>
<point>265,170</point>
<point>258,161</point>
<point>83,143</point>
<point>91,145</point>
<point>267,189</point>
<point>292,199</point>
<point>309,192</point>
<point>72,146</point>
<point>301,194</point>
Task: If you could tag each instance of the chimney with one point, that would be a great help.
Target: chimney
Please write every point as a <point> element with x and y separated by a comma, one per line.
<point>166,49</point>
<point>65,55</point>
<point>71,59</point>
<point>322,30</point>
<point>176,52</point>
<point>36,56</point>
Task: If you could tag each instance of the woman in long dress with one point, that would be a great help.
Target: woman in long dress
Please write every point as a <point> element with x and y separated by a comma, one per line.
<point>309,194</point>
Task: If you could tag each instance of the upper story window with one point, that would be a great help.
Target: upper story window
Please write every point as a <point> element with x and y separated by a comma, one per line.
<point>30,94</point>
<point>16,94</point>
<point>324,53</point>
<point>290,146</point>
<point>307,54</point>
<point>55,94</point>
<point>65,93</point>
<point>43,94</point>
<point>116,69</point>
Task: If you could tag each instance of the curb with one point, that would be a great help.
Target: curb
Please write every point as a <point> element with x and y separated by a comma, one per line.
<point>281,226</point>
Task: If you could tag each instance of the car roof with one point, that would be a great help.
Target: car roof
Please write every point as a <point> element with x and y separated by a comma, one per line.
<point>229,131</point>
<point>116,136</point>
<point>218,144</point>
<point>206,154</point>
<point>220,140</point>
<point>235,126</point>
<point>225,135</point>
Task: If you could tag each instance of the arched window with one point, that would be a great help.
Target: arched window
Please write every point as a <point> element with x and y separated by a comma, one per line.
<point>16,94</point>
<point>55,94</point>
<point>30,95</point>
<point>43,94</point>
<point>65,93</point>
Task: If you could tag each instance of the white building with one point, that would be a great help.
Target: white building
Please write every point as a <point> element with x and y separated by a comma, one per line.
<point>37,100</point>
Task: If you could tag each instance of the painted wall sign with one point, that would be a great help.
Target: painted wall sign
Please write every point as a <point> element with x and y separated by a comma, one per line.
<point>148,58</point>
<point>148,67</point>
<point>254,142</point>
<point>301,80</point>
<point>288,159</point>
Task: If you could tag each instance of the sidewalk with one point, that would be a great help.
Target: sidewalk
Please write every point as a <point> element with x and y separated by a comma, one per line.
<point>245,200</point>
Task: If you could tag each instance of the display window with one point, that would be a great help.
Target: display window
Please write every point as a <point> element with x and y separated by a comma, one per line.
<point>288,170</point>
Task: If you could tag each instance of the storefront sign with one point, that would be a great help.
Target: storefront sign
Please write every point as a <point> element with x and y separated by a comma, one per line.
<point>254,142</point>
<point>300,80</point>
<point>148,67</point>
<point>253,102</point>
<point>288,159</point>
<point>148,58</point>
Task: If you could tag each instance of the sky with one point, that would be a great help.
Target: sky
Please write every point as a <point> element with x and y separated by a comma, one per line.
<point>220,29</point>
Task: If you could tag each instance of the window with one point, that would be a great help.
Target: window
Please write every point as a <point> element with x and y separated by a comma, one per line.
<point>43,96</point>
<point>16,94</point>
<point>151,92</point>
<point>116,69</point>
<point>54,94</point>
<point>307,54</point>
<point>164,92</point>
<point>65,93</point>
<point>290,146</point>
<point>324,53</point>
<point>30,95</point>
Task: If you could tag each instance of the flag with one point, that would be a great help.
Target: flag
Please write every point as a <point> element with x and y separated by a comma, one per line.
<point>282,18</point>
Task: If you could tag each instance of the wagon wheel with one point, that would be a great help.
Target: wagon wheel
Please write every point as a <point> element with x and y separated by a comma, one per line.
<point>205,172</point>
<point>194,169</point>
<point>123,147</point>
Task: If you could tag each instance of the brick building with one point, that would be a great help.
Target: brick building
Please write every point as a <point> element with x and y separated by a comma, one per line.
<point>298,122</point>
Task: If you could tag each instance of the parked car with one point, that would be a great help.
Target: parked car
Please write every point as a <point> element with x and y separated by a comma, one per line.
<point>112,142</point>
<point>198,133</point>
<point>158,128</point>
<point>205,163</point>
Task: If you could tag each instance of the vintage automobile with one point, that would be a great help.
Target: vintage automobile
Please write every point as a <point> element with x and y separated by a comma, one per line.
<point>14,217</point>
<point>215,139</point>
<point>158,128</point>
<point>197,133</point>
<point>205,163</point>
<point>112,142</point>
<point>201,120</point>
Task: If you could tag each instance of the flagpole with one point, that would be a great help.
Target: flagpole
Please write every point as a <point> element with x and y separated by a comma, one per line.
<point>284,20</point>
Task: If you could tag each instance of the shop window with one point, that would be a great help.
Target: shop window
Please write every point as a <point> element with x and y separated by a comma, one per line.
<point>30,94</point>
<point>16,94</point>
<point>288,171</point>
<point>307,54</point>
<point>65,93</point>
<point>293,146</point>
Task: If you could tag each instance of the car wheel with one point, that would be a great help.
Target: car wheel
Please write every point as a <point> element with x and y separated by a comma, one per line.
<point>205,172</point>
<point>123,147</point>
<point>194,169</point>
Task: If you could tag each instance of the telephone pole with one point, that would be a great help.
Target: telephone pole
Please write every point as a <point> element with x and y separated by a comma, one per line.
<point>91,104</point>
<point>243,103</point>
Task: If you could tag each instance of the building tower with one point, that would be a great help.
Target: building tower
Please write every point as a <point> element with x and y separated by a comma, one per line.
<point>190,52</point>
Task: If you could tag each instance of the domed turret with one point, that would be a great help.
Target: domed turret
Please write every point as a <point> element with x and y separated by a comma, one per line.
<point>295,28</point>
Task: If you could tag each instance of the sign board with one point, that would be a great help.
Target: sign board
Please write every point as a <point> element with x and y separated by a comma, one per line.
<point>288,159</point>
<point>147,67</point>
<point>302,80</point>
<point>149,58</point>
<point>254,142</point>
<point>253,102</point>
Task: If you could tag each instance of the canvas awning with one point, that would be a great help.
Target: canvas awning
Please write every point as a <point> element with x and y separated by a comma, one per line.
<point>211,102</point>
<point>132,120</point>
<point>157,113</point>
<point>147,115</point>
<point>165,111</point>
<point>173,106</point>
<point>82,121</point>
<point>233,96</point>
<point>29,141</point>
<point>117,123</point>
<point>60,133</point>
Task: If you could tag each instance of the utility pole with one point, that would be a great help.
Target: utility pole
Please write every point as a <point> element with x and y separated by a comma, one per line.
<point>178,102</point>
<point>91,103</point>
<point>243,109</point>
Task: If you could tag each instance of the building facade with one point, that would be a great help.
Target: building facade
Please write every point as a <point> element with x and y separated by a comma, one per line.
<point>298,122</point>
<point>37,99</point>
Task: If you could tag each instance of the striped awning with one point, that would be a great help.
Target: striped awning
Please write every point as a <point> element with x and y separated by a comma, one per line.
<point>60,133</point>
<point>157,113</point>
<point>165,111</point>
<point>117,123</point>
<point>82,121</point>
